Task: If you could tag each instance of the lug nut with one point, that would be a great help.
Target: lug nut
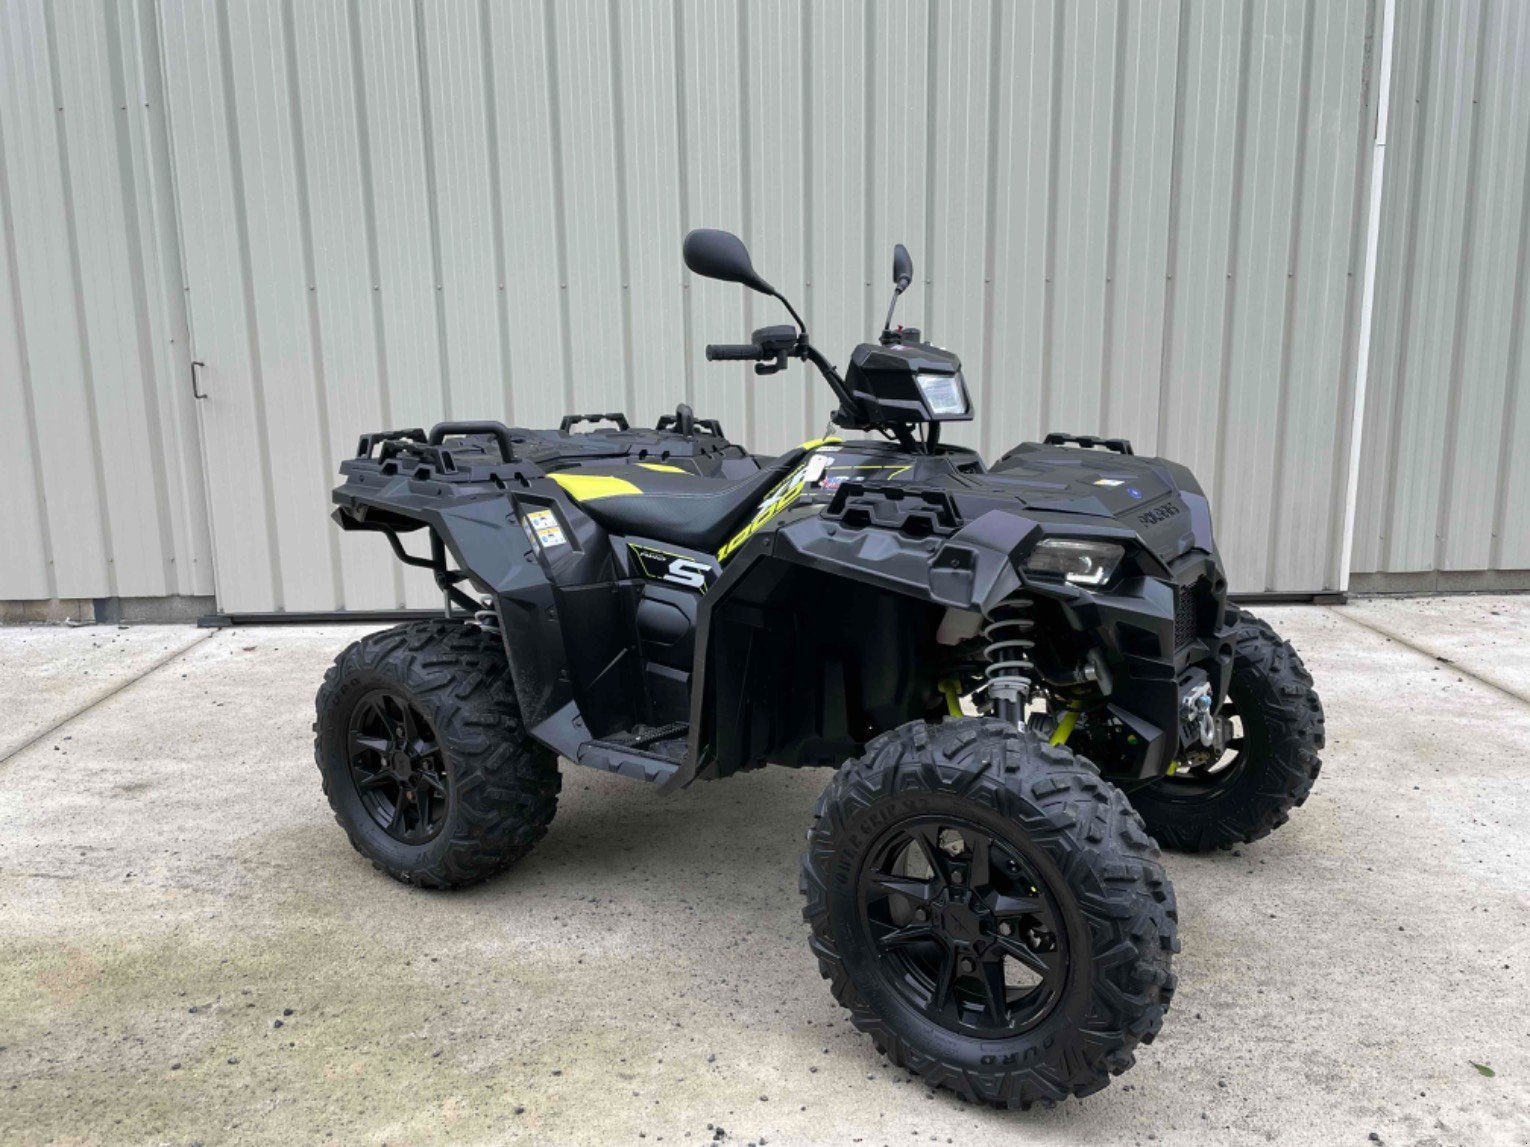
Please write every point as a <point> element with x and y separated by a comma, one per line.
<point>967,965</point>
<point>1006,928</point>
<point>956,878</point>
<point>921,915</point>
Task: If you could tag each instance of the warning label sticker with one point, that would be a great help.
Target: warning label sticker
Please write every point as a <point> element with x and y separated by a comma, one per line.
<point>543,525</point>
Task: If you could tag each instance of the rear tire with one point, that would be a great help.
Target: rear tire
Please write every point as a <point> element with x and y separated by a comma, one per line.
<point>1066,870</point>
<point>480,791</point>
<point>1282,721</point>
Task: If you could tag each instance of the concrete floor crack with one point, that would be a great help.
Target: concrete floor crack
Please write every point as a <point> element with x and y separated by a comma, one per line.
<point>1392,635</point>
<point>106,695</point>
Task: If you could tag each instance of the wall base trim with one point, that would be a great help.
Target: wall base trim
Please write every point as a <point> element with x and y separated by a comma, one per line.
<point>176,609</point>
<point>1441,581</point>
<point>317,617</point>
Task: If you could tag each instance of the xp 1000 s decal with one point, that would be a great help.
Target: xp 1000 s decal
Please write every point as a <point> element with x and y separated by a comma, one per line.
<point>809,472</point>
<point>656,564</point>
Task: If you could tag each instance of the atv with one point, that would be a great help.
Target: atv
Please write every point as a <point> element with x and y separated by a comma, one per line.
<point>1024,674</point>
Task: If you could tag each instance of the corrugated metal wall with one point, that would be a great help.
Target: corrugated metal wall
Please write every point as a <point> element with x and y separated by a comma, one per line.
<point>1445,468</point>
<point>103,490</point>
<point>1139,219</point>
<point>1143,219</point>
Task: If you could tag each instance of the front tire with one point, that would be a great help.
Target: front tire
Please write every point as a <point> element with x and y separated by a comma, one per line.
<point>1268,771</point>
<point>424,758</point>
<point>948,853</point>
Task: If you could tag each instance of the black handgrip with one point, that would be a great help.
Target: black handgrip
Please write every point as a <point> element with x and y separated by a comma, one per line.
<point>441,431</point>
<point>748,352</point>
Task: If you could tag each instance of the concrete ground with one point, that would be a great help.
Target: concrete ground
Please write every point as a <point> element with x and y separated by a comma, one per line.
<point>190,950</point>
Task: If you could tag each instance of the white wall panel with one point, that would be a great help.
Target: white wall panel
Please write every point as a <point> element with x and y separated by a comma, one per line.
<point>104,495</point>
<point>1141,219</point>
<point>1135,219</point>
<point>1445,465</point>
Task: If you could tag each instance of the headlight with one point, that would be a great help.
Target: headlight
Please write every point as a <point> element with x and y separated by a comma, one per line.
<point>1079,562</point>
<point>944,394</point>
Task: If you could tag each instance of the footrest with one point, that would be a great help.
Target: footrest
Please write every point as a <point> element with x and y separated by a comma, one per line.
<point>646,753</point>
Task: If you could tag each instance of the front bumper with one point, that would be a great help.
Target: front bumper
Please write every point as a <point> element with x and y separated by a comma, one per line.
<point>1160,638</point>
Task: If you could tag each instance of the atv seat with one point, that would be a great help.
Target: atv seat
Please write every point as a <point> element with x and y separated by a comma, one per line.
<point>680,508</point>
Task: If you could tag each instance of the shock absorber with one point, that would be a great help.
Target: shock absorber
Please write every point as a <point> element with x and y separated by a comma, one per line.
<point>1007,629</point>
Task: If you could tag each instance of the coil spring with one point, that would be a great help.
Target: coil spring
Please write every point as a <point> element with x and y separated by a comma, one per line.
<point>1007,631</point>
<point>487,620</point>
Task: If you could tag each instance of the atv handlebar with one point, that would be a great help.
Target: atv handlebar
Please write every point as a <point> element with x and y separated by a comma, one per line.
<point>748,352</point>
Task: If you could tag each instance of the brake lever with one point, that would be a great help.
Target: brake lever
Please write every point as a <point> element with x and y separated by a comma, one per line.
<point>779,364</point>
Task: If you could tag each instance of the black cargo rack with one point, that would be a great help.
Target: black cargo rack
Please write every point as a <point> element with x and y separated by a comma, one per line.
<point>916,511</point>
<point>423,456</point>
<point>1088,442</point>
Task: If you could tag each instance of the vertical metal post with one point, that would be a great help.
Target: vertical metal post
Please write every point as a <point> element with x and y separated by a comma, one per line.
<point>1368,298</point>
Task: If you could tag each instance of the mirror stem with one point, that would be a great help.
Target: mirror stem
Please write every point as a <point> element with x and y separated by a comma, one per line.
<point>785,302</point>
<point>892,306</point>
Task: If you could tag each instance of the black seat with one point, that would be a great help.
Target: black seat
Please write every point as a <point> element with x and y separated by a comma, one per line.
<point>683,509</point>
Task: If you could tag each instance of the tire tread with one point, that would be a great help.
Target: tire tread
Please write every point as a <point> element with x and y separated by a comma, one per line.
<point>1087,826</point>
<point>506,784</point>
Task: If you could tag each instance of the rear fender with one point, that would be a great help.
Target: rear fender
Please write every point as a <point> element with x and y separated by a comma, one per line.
<point>487,540</point>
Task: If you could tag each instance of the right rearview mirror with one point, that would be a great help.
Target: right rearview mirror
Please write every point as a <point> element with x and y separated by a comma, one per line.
<point>903,267</point>
<point>722,255</point>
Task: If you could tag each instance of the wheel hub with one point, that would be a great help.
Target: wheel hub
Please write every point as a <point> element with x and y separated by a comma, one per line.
<point>961,923</point>
<point>402,762</point>
<point>964,926</point>
<point>398,768</point>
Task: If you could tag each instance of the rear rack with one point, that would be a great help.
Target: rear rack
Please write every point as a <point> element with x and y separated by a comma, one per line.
<point>426,457</point>
<point>572,420</point>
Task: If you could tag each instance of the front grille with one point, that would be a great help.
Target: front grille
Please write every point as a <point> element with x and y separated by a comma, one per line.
<point>1184,615</point>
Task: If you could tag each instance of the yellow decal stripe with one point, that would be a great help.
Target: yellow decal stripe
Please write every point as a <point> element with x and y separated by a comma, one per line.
<point>896,470</point>
<point>780,497</point>
<point>588,487</point>
<point>664,466</point>
<point>815,443</point>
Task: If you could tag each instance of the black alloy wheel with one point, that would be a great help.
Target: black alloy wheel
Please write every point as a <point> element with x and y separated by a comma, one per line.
<point>965,929</point>
<point>1203,771</point>
<point>990,911</point>
<point>398,768</point>
<point>424,756</point>
<point>1269,759</point>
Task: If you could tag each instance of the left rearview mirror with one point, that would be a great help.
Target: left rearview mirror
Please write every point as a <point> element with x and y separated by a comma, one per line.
<point>722,255</point>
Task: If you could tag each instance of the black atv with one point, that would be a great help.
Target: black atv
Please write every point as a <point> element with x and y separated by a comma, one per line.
<point>1023,672</point>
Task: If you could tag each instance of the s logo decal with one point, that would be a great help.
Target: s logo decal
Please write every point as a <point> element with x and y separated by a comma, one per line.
<point>677,569</point>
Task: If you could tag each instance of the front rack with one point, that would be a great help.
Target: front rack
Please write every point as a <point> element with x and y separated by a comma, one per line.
<point>1088,442</point>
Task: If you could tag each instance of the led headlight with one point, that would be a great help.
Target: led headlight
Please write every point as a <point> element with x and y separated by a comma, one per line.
<point>1078,562</point>
<point>944,394</point>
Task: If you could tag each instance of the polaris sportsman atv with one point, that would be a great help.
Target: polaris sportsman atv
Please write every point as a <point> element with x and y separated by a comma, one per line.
<point>955,638</point>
